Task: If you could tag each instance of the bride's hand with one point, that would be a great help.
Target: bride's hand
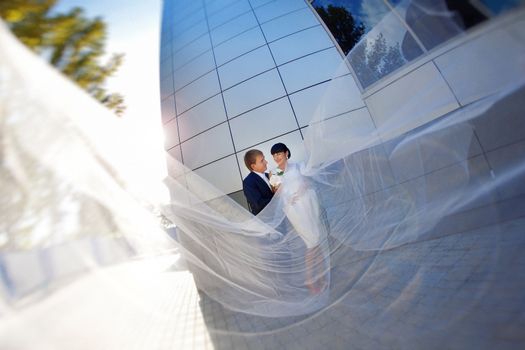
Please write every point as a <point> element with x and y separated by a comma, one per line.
<point>294,198</point>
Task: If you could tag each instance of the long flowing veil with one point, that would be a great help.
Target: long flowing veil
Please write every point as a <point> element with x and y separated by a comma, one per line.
<point>420,224</point>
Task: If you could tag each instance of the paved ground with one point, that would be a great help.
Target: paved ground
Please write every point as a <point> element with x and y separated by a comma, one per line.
<point>434,300</point>
<point>145,304</point>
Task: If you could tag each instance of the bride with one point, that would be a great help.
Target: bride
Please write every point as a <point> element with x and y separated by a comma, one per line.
<point>301,207</point>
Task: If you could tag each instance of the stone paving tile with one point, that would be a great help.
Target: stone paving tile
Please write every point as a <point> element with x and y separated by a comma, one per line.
<point>460,291</point>
<point>444,298</point>
<point>137,305</point>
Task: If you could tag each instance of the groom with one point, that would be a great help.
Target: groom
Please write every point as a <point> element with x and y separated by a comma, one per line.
<point>256,185</point>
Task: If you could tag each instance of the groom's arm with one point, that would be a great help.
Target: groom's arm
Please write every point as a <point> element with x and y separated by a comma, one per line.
<point>254,197</point>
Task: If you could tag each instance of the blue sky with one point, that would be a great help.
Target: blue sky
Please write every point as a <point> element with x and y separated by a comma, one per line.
<point>352,5</point>
<point>368,12</point>
<point>123,17</point>
<point>133,29</point>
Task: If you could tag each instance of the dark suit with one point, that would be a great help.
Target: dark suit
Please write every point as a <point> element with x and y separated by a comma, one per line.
<point>257,192</point>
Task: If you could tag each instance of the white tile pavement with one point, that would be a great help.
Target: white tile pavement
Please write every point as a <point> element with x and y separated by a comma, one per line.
<point>435,297</point>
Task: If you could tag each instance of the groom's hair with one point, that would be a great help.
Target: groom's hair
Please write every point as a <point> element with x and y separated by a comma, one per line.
<point>250,157</point>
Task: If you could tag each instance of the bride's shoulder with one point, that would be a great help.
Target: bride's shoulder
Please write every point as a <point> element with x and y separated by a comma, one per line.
<point>294,166</point>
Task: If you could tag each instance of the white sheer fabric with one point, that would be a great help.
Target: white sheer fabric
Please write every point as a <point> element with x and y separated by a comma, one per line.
<point>337,230</point>
<point>302,206</point>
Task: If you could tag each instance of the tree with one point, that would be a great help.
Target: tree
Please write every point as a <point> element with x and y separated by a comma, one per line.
<point>71,42</point>
<point>373,59</point>
<point>370,59</point>
<point>342,25</point>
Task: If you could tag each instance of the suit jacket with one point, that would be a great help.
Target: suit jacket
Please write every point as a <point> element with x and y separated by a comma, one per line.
<point>257,192</point>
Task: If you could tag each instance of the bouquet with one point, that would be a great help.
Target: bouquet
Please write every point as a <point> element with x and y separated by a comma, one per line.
<point>276,179</point>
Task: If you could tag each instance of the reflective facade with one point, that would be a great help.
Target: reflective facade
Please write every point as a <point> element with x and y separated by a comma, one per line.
<point>400,31</point>
<point>241,74</point>
<point>233,77</point>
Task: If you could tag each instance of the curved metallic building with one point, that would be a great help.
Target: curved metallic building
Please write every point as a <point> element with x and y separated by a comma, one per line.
<point>237,74</point>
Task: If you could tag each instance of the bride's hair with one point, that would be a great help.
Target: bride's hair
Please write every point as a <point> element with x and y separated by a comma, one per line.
<point>280,147</point>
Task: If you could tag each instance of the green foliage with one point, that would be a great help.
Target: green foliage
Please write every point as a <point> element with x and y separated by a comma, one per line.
<point>71,42</point>
<point>342,25</point>
<point>373,59</point>
<point>370,59</point>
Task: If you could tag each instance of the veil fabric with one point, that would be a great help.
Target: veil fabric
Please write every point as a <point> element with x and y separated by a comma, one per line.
<point>382,224</point>
<point>364,190</point>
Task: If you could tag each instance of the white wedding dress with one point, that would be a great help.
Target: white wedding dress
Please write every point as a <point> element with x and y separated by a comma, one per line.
<point>301,206</point>
<point>441,251</point>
